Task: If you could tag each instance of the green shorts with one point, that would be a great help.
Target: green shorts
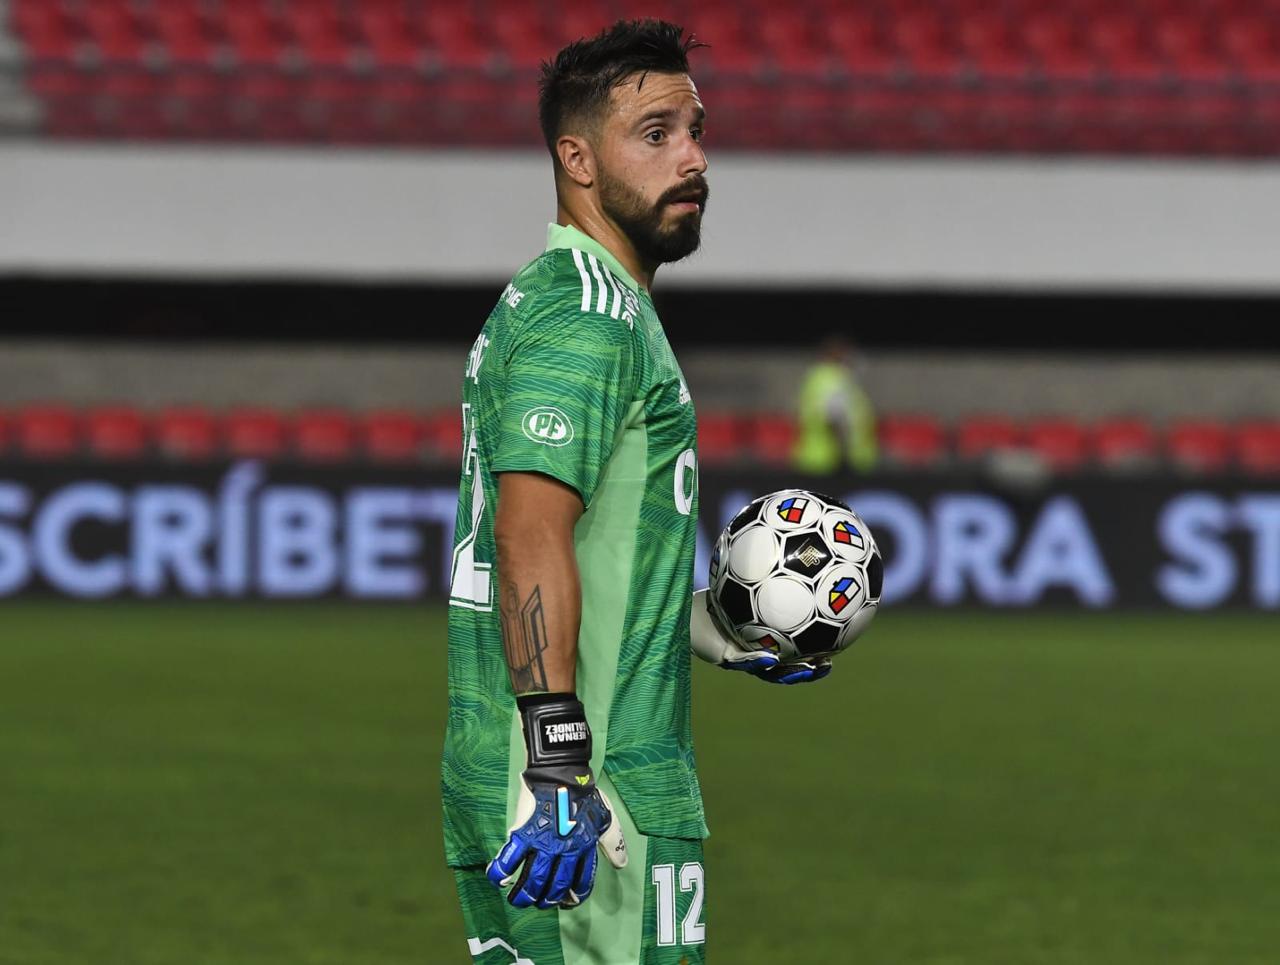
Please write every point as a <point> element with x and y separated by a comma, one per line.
<point>652,912</point>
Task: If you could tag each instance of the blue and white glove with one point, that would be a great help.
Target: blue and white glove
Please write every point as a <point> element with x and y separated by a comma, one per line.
<point>561,816</point>
<point>706,640</point>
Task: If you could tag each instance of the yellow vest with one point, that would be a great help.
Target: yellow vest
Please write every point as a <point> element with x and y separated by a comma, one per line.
<point>829,386</point>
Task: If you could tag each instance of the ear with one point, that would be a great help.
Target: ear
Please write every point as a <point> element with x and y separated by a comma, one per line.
<point>577,159</point>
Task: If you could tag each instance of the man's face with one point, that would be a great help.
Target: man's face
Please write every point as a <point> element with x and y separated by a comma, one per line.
<point>651,169</point>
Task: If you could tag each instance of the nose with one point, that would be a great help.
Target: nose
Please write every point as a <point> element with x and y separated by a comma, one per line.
<point>693,160</point>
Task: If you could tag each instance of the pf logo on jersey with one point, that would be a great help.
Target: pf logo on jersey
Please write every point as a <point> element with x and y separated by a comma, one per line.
<point>548,426</point>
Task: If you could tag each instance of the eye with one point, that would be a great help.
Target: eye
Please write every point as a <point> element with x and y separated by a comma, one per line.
<point>696,133</point>
<point>654,136</point>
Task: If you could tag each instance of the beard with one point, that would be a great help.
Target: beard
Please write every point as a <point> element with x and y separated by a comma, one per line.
<point>643,223</point>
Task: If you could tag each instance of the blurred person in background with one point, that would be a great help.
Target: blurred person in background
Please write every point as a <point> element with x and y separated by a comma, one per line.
<point>836,421</point>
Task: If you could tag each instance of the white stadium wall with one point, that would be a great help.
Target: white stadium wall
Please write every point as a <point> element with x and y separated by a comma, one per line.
<point>447,217</point>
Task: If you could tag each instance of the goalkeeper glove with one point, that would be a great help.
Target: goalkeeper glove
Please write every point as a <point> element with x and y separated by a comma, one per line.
<point>561,816</point>
<point>711,645</point>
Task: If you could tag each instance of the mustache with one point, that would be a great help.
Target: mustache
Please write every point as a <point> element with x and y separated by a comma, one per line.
<point>691,189</point>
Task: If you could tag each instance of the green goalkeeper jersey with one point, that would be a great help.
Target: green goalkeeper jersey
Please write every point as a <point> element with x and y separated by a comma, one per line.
<point>572,376</point>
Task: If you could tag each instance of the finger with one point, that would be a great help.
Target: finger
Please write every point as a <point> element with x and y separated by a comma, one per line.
<point>755,665</point>
<point>793,674</point>
<point>561,880</point>
<point>612,841</point>
<point>584,881</point>
<point>503,867</point>
<point>533,881</point>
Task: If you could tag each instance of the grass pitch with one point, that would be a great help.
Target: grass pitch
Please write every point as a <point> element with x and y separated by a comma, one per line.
<point>237,785</point>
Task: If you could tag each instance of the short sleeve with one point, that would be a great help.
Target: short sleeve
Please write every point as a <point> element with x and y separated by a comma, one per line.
<point>570,380</point>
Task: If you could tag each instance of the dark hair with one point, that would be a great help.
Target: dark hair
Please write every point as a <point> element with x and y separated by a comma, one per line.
<point>578,82</point>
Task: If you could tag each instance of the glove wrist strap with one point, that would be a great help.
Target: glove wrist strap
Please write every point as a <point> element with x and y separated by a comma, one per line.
<point>555,729</point>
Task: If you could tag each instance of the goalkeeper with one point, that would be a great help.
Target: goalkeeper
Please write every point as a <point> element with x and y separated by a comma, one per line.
<point>572,813</point>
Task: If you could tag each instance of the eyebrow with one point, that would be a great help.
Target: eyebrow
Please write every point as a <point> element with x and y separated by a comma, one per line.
<point>700,115</point>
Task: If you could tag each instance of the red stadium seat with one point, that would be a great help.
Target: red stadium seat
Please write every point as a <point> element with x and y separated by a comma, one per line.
<point>992,49</point>
<point>186,432</point>
<point>116,432</point>
<point>734,52</point>
<point>456,35</point>
<point>323,435</point>
<point>980,436</point>
<point>1191,49</point>
<point>444,436</point>
<point>255,39</point>
<point>253,433</point>
<point>186,40</point>
<point>1062,443</point>
<point>1198,445</point>
<point>48,33</point>
<point>323,39</point>
<point>856,36</point>
<point>924,43</point>
<point>720,438</point>
<point>914,441</point>
<point>1058,49</point>
<point>47,431</point>
<point>114,32</point>
<point>1121,443</point>
<point>522,43</point>
<point>1257,446</point>
<point>1252,45</point>
<point>388,435</point>
<point>1121,41</point>
<point>771,438</point>
<point>792,38</point>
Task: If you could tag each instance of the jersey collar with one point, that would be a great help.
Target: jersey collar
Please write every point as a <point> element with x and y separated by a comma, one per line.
<point>567,236</point>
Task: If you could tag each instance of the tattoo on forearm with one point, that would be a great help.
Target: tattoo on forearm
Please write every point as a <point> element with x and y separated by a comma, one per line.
<point>524,637</point>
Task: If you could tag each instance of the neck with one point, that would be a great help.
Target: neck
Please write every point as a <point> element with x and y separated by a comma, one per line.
<point>596,226</point>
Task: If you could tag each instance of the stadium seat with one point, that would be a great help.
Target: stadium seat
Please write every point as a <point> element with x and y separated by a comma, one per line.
<point>720,438</point>
<point>856,36</point>
<point>770,438</point>
<point>913,441</point>
<point>186,432</point>
<point>1198,445</point>
<point>521,42</point>
<point>1062,443</point>
<point>47,431</point>
<point>1124,443</point>
<point>1257,447</point>
<point>980,436</point>
<point>116,432</point>
<point>183,35</point>
<point>323,435</point>
<point>253,433</point>
<point>443,436</point>
<point>323,39</point>
<point>388,435</point>
<point>991,47</point>
<point>924,44</point>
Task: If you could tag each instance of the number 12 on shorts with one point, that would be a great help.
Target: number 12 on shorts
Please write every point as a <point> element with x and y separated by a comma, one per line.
<point>692,930</point>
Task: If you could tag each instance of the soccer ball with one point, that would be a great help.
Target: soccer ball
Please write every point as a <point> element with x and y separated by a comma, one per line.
<point>795,573</point>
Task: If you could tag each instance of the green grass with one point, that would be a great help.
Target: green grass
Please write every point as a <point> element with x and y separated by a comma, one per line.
<point>201,784</point>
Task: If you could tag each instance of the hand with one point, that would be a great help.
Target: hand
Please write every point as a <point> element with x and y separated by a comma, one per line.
<point>706,640</point>
<point>561,816</point>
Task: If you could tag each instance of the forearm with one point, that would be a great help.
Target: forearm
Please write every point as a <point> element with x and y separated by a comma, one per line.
<point>540,598</point>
